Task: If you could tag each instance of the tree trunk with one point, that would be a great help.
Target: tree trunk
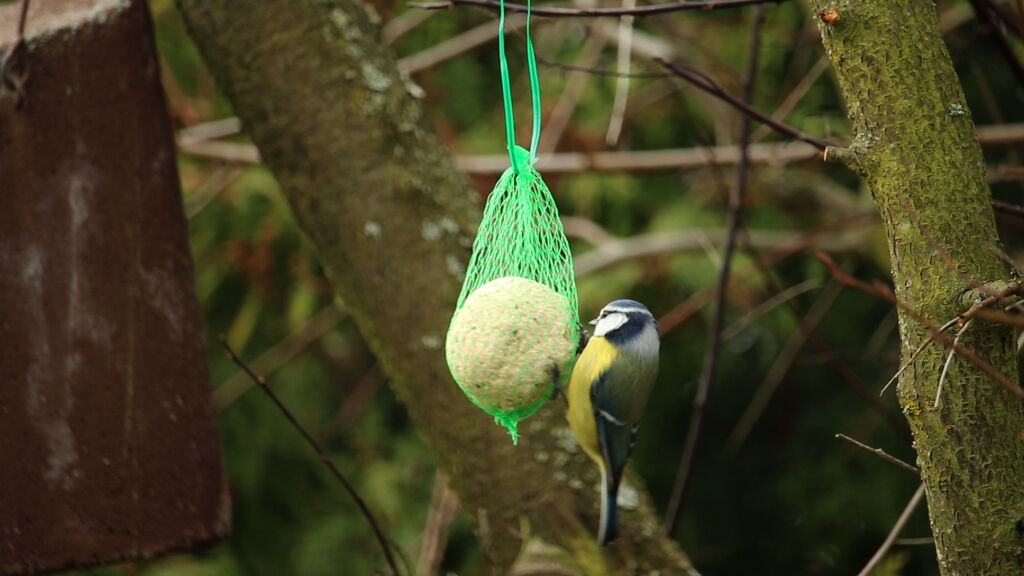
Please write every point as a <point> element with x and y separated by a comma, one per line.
<point>915,144</point>
<point>379,196</point>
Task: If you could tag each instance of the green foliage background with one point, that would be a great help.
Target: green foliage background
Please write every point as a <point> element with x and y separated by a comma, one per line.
<point>790,500</point>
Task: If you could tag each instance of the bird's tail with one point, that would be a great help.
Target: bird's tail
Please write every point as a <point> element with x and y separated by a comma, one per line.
<point>609,527</point>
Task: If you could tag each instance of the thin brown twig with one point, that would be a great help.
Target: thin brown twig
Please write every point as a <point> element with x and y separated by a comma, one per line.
<point>779,298</point>
<point>845,373</point>
<point>484,528</point>
<point>564,109</point>
<point>984,13</point>
<point>459,44</point>
<point>949,360</point>
<point>1007,208</point>
<point>444,503</point>
<point>555,12</point>
<point>913,357</point>
<point>624,62</point>
<point>322,322</point>
<point>710,370</point>
<point>886,293</point>
<point>709,87</point>
<point>881,454</point>
<point>783,361</point>
<point>324,456</point>
<point>681,313</point>
<point>894,533</point>
<point>999,317</point>
<point>795,95</point>
<point>600,71</point>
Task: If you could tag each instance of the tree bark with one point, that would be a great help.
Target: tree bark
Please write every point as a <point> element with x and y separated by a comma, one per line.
<point>915,144</point>
<point>345,136</point>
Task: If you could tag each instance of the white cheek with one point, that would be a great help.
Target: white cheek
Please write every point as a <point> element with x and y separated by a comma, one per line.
<point>609,323</point>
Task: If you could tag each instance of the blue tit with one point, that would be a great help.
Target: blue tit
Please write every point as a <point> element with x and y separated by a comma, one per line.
<point>608,390</point>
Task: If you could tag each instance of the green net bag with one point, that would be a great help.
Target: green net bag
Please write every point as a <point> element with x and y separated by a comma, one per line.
<point>515,332</point>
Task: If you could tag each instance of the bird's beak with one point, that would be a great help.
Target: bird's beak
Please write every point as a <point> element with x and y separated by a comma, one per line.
<point>593,322</point>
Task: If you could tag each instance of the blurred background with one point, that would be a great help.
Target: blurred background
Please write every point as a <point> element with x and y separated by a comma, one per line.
<point>774,492</point>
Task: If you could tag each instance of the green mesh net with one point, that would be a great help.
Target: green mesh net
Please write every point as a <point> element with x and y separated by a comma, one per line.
<point>515,331</point>
<point>514,335</point>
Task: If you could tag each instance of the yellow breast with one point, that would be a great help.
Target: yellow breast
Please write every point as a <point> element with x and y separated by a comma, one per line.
<point>595,359</point>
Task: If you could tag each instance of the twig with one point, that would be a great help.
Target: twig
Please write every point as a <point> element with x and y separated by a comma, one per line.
<point>403,24</point>
<point>591,70</point>
<point>881,453</point>
<point>443,505</point>
<point>220,179</point>
<point>985,14</point>
<point>913,357</point>
<point>484,527</point>
<point>794,97</point>
<point>924,541</point>
<point>886,293</point>
<point>220,150</point>
<point>280,354</point>
<point>464,42</point>
<point>552,12</point>
<point>1007,208</point>
<point>666,159</point>
<point>800,243</point>
<point>324,457</point>
<point>355,403</point>
<point>777,299</point>
<point>783,360</point>
<point>228,126</point>
<point>894,533</point>
<point>949,360</point>
<point>625,57</point>
<point>628,249</point>
<point>639,160</point>
<point>575,84</point>
<point>711,88</point>
<point>709,372</point>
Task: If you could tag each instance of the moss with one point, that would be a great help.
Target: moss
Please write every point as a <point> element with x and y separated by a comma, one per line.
<point>917,150</point>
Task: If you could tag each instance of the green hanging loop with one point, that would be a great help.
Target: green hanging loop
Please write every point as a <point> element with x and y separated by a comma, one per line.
<point>531,60</point>
<point>506,90</point>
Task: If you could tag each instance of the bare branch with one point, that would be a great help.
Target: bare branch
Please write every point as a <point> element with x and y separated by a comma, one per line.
<point>881,453</point>
<point>779,368</point>
<point>949,360</point>
<point>444,503</point>
<point>886,293</point>
<point>913,357</point>
<point>324,456</point>
<point>711,88</point>
<point>638,160</point>
<point>554,12</point>
<point>894,533</point>
<point>710,370</point>
<point>279,354</point>
<point>460,44</point>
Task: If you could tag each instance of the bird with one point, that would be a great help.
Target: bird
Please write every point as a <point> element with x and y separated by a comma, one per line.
<point>607,393</point>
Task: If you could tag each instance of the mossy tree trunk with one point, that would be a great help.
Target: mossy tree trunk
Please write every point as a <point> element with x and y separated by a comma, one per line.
<point>916,146</point>
<point>392,219</point>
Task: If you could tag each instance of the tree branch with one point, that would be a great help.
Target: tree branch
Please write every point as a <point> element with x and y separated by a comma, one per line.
<point>595,12</point>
